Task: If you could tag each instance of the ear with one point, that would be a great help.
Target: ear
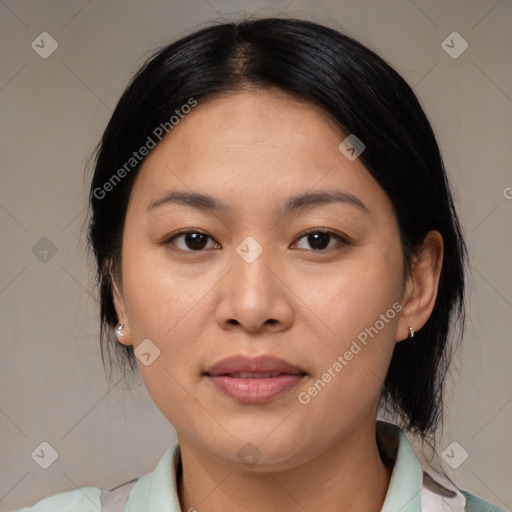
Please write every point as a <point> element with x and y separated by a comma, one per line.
<point>421,287</point>
<point>120,307</point>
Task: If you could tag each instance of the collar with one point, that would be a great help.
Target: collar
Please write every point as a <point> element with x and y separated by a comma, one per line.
<point>412,488</point>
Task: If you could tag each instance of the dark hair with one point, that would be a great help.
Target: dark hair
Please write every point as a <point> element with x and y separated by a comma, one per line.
<point>367,98</point>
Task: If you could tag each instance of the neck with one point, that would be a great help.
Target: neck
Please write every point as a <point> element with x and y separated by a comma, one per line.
<point>349,476</point>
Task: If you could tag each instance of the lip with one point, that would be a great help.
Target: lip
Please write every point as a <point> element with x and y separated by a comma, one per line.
<point>270,377</point>
<point>246,364</point>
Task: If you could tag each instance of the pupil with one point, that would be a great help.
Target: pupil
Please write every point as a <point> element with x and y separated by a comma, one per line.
<point>319,239</point>
<point>194,241</point>
<point>197,241</point>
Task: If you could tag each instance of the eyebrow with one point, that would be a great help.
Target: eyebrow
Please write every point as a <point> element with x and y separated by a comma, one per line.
<point>293,204</point>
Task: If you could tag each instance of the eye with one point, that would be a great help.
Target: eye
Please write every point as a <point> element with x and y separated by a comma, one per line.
<point>193,239</point>
<point>319,239</point>
<point>196,240</point>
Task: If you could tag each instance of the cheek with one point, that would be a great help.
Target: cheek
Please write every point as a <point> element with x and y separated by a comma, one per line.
<point>360,305</point>
<point>351,365</point>
<point>169,306</point>
<point>355,292</point>
<point>162,299</point>
<point>166,305</point>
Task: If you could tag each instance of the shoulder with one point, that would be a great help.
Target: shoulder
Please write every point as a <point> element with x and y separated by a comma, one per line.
<point>85,499</point>
<point>476,504</point>
<point>152,491</point>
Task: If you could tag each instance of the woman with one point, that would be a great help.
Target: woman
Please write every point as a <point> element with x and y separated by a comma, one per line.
<point>279,254</point>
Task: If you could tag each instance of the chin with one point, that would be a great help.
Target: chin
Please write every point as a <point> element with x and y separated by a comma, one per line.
<point>259,451</point>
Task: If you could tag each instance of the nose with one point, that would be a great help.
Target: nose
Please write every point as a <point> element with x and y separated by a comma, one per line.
<point>254,294</point>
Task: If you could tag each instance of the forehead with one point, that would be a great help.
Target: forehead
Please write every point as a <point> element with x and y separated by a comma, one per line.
<point>253,146</point>
<point>256,120</point>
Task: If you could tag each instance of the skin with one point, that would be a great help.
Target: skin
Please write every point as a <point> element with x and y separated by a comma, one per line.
<point>252,150</point>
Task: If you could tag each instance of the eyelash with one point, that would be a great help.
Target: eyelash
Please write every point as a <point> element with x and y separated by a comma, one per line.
<point>342,240</point>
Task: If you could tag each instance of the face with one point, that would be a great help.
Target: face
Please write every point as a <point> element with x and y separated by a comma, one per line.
<point>316,283</point>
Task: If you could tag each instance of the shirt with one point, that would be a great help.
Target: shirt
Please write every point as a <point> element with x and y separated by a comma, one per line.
<point>412,488</point>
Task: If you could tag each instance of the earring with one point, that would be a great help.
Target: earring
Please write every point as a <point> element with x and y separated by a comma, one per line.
<point>411,333</point>
<point>119,328</point>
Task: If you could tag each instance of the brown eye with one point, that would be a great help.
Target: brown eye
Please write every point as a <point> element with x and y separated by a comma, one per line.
<point>192,240</point>
<point>319,240</point>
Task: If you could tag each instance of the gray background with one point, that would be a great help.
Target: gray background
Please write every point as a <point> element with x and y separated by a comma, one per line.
<point>53,111</point>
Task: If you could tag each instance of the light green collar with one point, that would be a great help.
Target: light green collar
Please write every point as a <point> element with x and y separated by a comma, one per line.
<point>404,491</point>
<point>158,490</point>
